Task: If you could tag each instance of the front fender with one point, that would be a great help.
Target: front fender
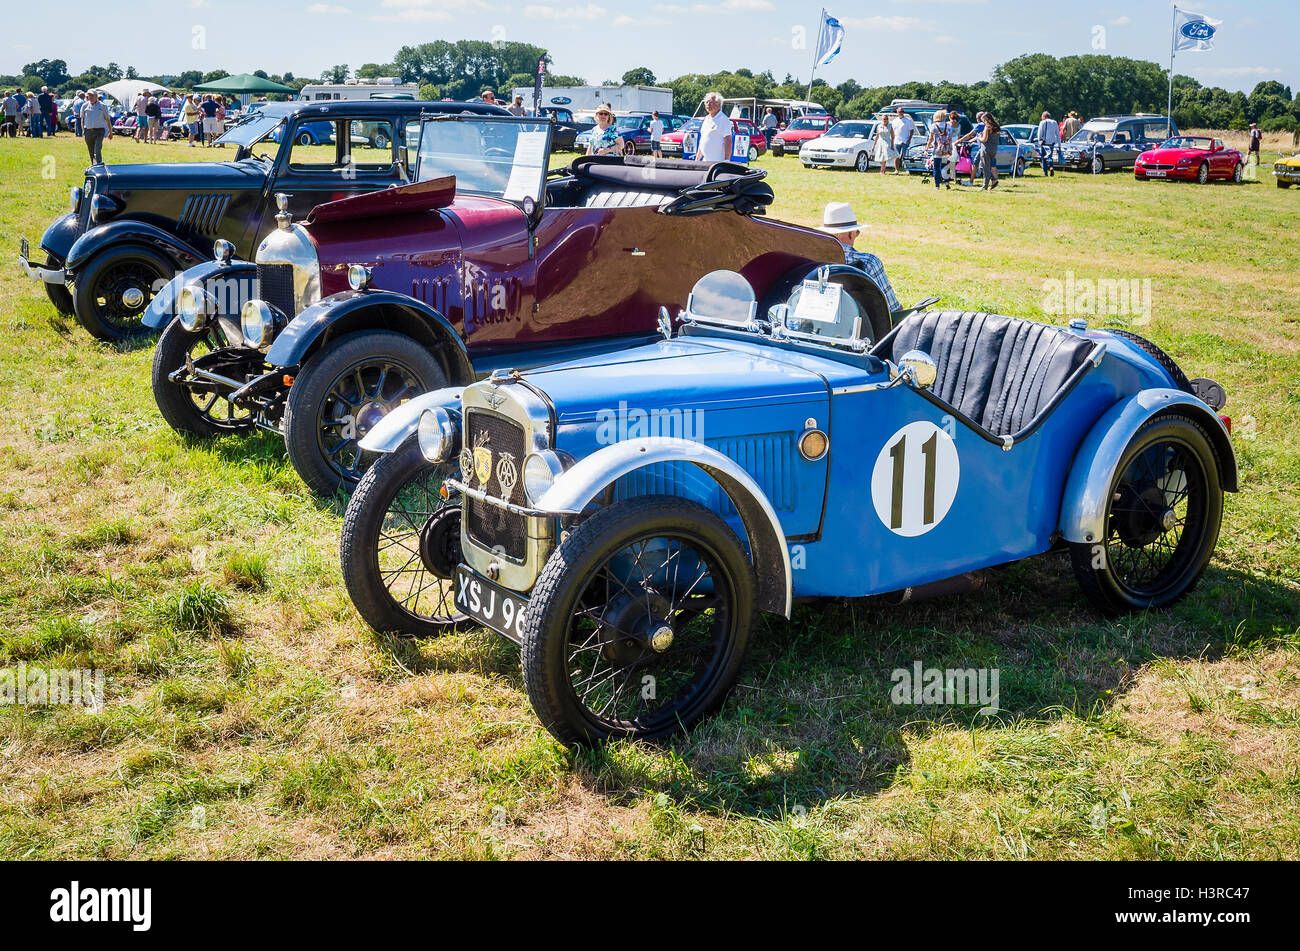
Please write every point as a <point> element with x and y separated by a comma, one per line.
<point>580,485</point>
<point>393,429</point>
<point>163,306</point>
<point>130,231</point>
<point>61,235</point>
<point>1087,490</point>
<point>370,310</point>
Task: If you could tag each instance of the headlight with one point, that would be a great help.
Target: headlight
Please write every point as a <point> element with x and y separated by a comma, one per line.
<point>102,208</point>
<point>436,435</point>
<point>257,324</point>
<point>222,250</point>
<point>74,198</point>
<point>190,309</point>
<point>358,277</point>
<point>541,469</point>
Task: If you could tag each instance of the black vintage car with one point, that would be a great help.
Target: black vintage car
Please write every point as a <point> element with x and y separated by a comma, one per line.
<point>132,227</point>
<point>566,127</point>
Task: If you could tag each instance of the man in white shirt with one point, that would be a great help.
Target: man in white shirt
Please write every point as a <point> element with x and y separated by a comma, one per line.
<point>716,132</point>
<point>903,128</point>
<point>1049,138</point>
<point>656,135</point>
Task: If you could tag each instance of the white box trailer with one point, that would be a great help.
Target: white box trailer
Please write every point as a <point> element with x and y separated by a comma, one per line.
<point>382,90</point>
<point>586,99</point>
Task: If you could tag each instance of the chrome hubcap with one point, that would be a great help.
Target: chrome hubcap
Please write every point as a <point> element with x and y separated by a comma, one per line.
<point>132,298</point>
<point>661,638</point>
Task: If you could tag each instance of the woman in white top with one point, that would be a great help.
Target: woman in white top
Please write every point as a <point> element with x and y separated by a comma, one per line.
<point>884,153</point>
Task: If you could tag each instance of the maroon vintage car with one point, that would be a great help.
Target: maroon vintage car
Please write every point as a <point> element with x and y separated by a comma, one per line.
<point>488,261</point>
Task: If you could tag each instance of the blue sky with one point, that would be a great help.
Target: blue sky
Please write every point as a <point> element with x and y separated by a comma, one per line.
<point>887,40</point>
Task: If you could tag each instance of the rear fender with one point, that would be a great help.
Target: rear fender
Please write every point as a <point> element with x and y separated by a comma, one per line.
<point>1083,509</point>
<point>217,276</point>
<point>584,482</point>
<point>129,231</point>
<point>394,429</point>
<point>351,311</point>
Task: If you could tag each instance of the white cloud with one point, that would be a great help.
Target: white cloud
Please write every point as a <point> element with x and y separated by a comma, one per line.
<point>893,24</point>
<point>539,11</point>
<point>1119,21</point>
<point>726,6</point>
<point>1241,70</point>
<point>327,8</point>
<point>427,11</point>
<point>634,22</point>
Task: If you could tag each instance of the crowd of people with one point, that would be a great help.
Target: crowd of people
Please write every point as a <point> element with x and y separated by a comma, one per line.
<point>28,113</point>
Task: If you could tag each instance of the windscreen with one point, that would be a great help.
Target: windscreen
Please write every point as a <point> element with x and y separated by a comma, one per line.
<point>493,157</point>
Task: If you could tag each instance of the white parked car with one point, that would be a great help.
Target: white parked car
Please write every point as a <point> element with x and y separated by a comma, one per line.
<point>846,144</point>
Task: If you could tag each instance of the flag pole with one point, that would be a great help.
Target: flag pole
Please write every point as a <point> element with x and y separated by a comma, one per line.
<point>821,25</point>
<point>1173,42</point>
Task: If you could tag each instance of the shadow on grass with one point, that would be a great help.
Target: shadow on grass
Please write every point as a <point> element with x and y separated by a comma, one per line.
<point>812,718</point>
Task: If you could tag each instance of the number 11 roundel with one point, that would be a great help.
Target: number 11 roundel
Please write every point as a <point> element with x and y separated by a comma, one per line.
<point>915,479</point>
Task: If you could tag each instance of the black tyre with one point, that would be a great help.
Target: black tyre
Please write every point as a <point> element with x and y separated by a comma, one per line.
<point>112,293</point>
<point>638,624</point>
<point>401,545</point>
<point>305,138</point>
<point>753,153</point>
<point>1020,168</point>
<point>863,163</point>
<point>339,396</point>
<point>1098,164</point>
<point>59,294</point>
<point>1166,505</point>
<point>1203,173</point>
<point>380,140</point>
<point>1162,358</point>
<point>203,409</point>
<point>1282,184</point>
<point>1237,172</point>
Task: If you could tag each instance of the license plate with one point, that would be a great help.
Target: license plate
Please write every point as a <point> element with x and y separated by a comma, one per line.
<point>490,604</point>
<point>1156,173</point>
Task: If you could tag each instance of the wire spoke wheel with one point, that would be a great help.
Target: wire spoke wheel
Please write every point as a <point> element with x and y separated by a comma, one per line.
<point>1161,523</point>
<point>215,405</point>
<point>358,399</point>
<point>638,624</point>
<point>401,545</point>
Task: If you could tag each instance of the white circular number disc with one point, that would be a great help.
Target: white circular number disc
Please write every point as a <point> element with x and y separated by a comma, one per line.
<point>914,482</point>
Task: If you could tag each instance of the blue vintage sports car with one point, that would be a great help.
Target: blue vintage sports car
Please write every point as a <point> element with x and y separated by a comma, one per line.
<point>622,518</point>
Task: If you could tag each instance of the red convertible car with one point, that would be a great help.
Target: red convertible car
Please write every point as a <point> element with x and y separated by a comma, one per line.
<point>1191,157</point>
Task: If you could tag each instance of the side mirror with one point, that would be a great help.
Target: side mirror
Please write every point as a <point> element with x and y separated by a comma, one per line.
<point>404,158</point>
<point>917,367</point>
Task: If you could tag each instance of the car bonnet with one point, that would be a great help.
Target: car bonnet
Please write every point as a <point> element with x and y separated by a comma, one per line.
<point>679,372</point>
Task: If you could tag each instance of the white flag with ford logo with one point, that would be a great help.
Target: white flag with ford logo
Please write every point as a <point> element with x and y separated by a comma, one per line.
<point>1193,31</point>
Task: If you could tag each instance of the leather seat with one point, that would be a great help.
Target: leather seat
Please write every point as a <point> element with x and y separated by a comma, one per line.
<point>612,196</point>
<point>999,372</point>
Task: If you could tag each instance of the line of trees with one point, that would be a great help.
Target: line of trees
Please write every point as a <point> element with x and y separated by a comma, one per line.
<point>1018,90</point>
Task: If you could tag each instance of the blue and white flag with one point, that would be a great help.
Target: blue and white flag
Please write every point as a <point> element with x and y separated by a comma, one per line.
<point>829,39</point>
<point>1192,31</point>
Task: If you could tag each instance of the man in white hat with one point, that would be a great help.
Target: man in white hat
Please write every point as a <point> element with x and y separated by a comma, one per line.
<point>840,222</point>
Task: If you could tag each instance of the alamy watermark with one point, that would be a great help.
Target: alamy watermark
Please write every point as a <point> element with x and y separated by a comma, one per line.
<point>51,686</point>
<point>1100,297</point>
<point>619,425</point>
<point>937,686</point>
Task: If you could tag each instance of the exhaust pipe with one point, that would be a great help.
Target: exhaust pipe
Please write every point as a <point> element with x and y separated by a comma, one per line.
<point>957,584</point>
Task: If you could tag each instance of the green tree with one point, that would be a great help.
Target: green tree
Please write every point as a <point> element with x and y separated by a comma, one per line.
<point>54,72</point>
<point>640,76</point>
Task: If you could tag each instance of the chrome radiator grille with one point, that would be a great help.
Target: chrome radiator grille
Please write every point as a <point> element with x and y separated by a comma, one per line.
<point>495,444</point>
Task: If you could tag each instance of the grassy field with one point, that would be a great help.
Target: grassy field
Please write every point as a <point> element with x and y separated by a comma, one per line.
<point>250,713</point>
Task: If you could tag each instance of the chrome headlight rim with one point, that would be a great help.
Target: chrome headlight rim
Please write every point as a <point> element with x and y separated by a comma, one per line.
<point>75,194</point>
<point>192,307</point>
<point>541,470</point>
<point>258,324</point>
<point>223,250</point>
<point>436,435</point>
<point>359,277</point>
